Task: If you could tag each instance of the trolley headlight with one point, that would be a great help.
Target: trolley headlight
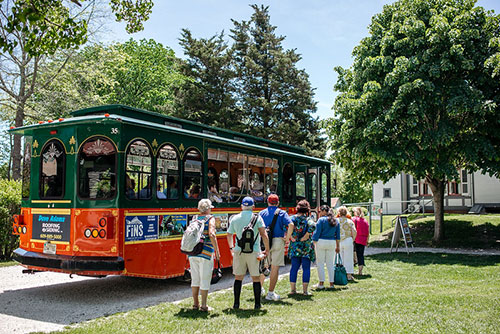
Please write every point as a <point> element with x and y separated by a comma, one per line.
<point>87,233</point>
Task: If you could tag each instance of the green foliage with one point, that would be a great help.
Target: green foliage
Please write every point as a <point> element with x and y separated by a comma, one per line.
<point>254,86</point>
<point>349,188</point>
<point>418,97</point>
<point>10,204</point>
<point>48,25</point>
<point>208,95</point>
<point>141,74</point>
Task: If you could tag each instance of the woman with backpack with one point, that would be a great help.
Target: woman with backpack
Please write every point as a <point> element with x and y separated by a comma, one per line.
<point>362,235</point>
<point>203,263</point>
<point>326,240</point>
<point>301,250</point>
<point>347,235</point>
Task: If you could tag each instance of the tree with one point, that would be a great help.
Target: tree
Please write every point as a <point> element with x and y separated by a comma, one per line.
<point>208,95</point>
<point>275,96</point>
<point>348,187</point>
<point>141,74</point>
<point>30,30</point>
<point>419,97</point>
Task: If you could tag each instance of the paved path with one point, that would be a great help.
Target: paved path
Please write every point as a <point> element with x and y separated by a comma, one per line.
<point>49,301</point>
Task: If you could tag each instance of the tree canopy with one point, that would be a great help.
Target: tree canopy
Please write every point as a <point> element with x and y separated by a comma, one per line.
<point>421,96</point>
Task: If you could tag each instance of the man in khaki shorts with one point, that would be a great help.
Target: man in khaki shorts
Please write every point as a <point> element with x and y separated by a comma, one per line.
<point>282,224</point>
<point>244,259</point>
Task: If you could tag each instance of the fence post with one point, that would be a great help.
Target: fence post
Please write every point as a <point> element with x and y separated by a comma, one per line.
<point>371,214</point>
<point>381,216</point>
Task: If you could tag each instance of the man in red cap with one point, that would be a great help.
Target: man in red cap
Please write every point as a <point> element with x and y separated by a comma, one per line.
<point>279,229</point>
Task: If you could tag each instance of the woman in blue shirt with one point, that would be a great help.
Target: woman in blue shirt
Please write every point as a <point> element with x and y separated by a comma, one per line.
<point>326,239</point>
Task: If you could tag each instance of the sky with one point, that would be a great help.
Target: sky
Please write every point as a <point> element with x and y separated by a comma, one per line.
<point>324,32</point>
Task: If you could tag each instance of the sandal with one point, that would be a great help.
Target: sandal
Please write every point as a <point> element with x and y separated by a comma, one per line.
<point>293,292</point>
<point>206,309</point>
<point>195,307</point>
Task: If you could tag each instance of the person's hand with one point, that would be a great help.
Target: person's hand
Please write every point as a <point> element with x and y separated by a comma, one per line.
<point>304,238</point>
<point>292,239</point>
<point>337,250</point>
<point>217,255</point>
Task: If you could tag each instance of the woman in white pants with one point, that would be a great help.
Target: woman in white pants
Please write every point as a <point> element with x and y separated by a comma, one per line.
<point>347,235</point>
<point>326,240</point>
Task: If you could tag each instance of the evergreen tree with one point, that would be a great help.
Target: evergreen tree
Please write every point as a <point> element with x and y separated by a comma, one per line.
<point>276,97</point>
<point>208,95</point>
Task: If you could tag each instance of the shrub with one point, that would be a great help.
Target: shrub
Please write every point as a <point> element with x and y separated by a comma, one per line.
<point>10,204</point>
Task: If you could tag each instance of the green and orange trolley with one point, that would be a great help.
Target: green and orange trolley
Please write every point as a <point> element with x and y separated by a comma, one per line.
<point>110,190</point>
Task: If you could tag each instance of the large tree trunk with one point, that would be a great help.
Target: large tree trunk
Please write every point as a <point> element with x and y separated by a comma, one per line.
<point>16,149</point>
<point>437,187</point>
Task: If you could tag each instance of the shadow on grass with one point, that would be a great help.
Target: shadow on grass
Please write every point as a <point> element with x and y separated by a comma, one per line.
<point>275,302</point>
<point>244,313</point>
<point>361,277</point>
<point>423,259</point>
<point>195,314</point>
<point>299,296</point>
<point>460,233</point>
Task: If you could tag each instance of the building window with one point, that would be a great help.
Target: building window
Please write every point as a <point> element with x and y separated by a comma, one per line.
<point>465,182</point>
<point>387,192</point>
<point>425,189</point>
<point>414,186</point>
<point>453,188</point>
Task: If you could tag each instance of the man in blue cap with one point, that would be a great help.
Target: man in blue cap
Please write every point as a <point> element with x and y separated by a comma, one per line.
<point>248,228</point>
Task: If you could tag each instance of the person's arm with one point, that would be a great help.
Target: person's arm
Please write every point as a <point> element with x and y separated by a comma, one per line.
<point>230,241</point>
<point>353,231</point>
<point>317,232</point>
<point>213,237</point>
<point>337,238</point>
<point>289,232</point>
<point>265,239</point>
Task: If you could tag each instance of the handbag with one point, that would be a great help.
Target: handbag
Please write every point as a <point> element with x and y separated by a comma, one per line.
<point>216,273</point>
<point>340,276</point>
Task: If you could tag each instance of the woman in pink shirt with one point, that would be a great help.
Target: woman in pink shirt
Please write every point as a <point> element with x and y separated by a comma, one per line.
<point>361,237</point>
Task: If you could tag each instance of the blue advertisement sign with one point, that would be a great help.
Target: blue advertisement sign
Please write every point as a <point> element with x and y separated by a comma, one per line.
<point>141,228</point>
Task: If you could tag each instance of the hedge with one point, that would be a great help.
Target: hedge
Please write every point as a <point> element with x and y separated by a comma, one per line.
<point>10,204</point>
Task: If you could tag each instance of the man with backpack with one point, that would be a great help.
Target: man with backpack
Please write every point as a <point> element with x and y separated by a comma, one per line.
<point>277,223</point>
<point>248,228</point>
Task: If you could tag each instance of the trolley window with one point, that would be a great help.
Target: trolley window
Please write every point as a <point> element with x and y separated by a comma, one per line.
<point>272,167</point>
<point>138,171</point>
<point>53,170</point>
<point>218,176</point>
<point>97,169</point>
<point>167,166</point>
<point>300,186</point>
<point>313,189</point>
<point>25,192</point>
<point>324,187</point>
<point>192,174</point>
<point>287,183</point>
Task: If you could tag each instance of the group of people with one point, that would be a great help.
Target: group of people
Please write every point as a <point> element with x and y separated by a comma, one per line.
<point>273,229</point>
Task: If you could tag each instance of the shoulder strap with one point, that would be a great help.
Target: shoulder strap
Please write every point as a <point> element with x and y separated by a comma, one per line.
<point>253,220</point>
<point>275,219</point>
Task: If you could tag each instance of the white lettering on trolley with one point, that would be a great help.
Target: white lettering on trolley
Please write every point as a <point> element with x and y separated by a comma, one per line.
<point>134,228</point>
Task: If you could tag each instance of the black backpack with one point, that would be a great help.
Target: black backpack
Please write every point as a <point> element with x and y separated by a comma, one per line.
<point>248,236</point>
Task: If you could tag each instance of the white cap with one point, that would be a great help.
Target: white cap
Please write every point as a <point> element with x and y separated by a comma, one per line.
<point>204,205</point>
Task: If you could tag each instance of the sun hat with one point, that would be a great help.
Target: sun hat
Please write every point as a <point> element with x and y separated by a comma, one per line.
<point>247,201</point>
<point>204,205</point>
<point>273,199</point>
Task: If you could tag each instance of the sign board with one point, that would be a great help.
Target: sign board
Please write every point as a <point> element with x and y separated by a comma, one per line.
<point>402,229</point>
<point>51,227</point>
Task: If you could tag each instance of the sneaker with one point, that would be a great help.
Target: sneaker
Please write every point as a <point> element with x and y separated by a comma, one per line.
<point>273,296</point>
<point>320,287</point>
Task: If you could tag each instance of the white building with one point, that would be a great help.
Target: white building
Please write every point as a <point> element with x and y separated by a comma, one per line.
<point>404,193</point>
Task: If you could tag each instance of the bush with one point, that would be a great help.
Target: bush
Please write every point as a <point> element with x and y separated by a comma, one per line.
<point>10,204</point>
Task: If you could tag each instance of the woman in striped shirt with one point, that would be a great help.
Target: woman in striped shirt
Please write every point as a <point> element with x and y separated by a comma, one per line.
<point>203,263</point>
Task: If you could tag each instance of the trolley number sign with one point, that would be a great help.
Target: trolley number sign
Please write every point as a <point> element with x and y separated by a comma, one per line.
<point>51,227</point>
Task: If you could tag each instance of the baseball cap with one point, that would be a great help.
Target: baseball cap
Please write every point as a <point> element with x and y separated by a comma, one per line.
<point>273,199</point>
<point>247,201</point>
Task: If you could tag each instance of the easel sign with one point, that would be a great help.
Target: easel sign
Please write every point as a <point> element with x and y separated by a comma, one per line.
<point>402,228</point>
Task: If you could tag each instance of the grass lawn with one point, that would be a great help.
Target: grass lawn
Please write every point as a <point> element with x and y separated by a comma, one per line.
<point>461,231</point>
<point>7,263</point>
<point>420,293</point>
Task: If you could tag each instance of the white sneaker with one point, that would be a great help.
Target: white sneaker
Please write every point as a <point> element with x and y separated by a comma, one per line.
<point>262,292</point>
<point>272,296</point>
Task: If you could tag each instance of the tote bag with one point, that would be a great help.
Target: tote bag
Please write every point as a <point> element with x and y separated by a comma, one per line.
<point>340,277</point>
<point>216,274</point>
